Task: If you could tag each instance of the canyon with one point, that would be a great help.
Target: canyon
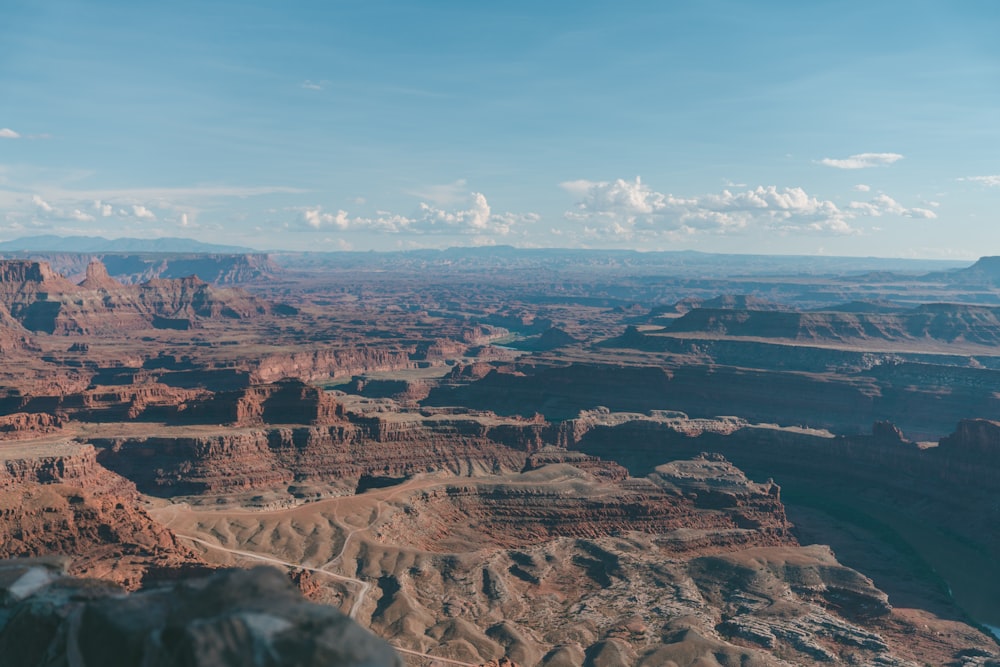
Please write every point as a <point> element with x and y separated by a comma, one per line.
<point>555,459</point>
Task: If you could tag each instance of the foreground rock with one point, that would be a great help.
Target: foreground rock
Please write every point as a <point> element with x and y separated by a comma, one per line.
<point>236,617</point>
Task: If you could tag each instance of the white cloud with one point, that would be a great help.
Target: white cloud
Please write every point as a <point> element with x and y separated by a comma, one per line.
<point>862,160</point>
<point>625,208</point>
<point>42,204</point>
<point>104,210</point>
<point>142,212</point>
<point>580,187</point>
<point>80,216</point>
<point>991,181</point>
<point>475,217</point>
<point>883,204</point>
<point>311,85</point>
<point>7,133</point>
<point>861,187</point>
<point>628,210</point>
<point>316,219</point>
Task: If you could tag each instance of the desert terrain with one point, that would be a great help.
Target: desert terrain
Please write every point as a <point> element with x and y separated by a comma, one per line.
<point>556,457</point>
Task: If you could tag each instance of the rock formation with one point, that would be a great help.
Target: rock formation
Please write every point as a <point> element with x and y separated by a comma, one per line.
<point>43,301</point>
<point>338,453</point>
<point>57,499</point>
<point>98,278</point>
<point>233,618</point>
<point>133,268</point>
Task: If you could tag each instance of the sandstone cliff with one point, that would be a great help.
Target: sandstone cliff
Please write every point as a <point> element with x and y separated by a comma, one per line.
<point>43,301</point>
<point>337,454</point>
<point>56,499</point>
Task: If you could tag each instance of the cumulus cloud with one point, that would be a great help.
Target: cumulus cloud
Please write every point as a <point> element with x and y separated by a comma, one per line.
<point>883,204</point>
<point>861,187</point>
<point>625,208</point>
<point>630,210</point>
<point>991,181</point>
<point>475,217</point>
<point>7,133</point>
<point>862,160</point>
<point>142,212</point>
<point>103,209</point>
<point>80,216</point>
<point>316,218</point>
<point>42,204</point>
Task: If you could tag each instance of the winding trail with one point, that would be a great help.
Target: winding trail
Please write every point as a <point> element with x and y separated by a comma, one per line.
<point>363,588</point>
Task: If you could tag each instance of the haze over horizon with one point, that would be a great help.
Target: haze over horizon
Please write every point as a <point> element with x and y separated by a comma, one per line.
<point>786,128</point>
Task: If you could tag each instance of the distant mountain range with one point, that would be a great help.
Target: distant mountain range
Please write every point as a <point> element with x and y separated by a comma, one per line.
<point>97,244</point>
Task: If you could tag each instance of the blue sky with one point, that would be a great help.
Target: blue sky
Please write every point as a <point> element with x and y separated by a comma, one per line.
<point>832,127</point>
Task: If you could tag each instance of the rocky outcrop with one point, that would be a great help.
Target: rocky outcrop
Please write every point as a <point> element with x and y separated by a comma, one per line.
<point>43,301</point>
<point>232,618</point>
<point>118,402</point>
<point>704,503</point>
<point>97,278</point>
<point>923,398</point>
<point>21,281</point>
<point>398,390</point>
<point>975,440</point>
<point>218,269</point>
<point>256,459</point>
<point>13,336</point>
<point>329,363</point>
<point>29,425</point>
<point>938,321</point>
<point>57,499</point>
<point>550,339</point>
<point>284,402</point>
<point>139,267</point>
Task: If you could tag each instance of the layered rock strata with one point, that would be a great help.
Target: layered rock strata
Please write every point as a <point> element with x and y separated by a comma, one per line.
<point>43,301</point>
<point>56,499</point>
<point>393,445</point>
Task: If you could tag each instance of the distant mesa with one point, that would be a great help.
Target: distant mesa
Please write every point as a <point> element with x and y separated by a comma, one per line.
<point>550,339</point>
<point>39,299</point>
<point>721,302</point>
<point>853,321</point>
<point>984,272</point>
<point>875,306</point>
<point>98,244</point>
<point>133,261</point>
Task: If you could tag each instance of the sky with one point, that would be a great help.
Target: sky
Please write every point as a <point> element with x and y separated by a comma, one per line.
<point>834,127</point>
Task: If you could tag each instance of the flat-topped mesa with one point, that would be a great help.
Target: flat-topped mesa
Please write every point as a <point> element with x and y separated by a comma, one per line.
<point>19,271</point>
<point>41,300</point>
<point>22,279</point>
<point>288,401</point>
<point>336,454</point>
<point>98,278</point>
<point>974,440</point>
